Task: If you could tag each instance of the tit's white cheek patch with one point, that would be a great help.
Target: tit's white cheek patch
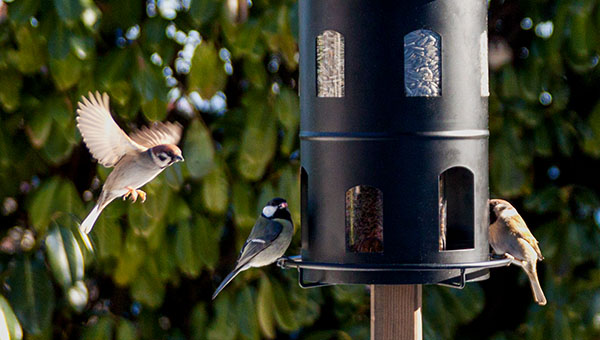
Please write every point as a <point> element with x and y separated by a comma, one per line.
<point>268,211</point>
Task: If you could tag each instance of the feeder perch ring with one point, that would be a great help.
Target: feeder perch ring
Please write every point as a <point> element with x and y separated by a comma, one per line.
<point>297,263</point>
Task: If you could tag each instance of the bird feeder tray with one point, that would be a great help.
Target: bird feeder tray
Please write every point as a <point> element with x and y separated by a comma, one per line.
<point>465,272</point>
<point>394,142</point>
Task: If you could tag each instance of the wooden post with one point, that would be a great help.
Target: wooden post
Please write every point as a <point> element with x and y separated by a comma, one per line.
<point>396,312</point>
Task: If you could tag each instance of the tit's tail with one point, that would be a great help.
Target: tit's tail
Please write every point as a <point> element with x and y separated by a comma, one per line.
<point>536,288</point>
<point>87,224</point>
<point>228,279</point>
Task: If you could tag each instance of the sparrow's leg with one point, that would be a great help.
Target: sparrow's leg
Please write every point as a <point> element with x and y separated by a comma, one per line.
<point>512,259</point>
<point>130,192</point>
<point>142,195</point>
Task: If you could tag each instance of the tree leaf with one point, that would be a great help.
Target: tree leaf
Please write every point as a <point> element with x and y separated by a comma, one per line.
<point>174,176</point>
<point>247,319</point>
<point>215,190</point>
<point>203,11</point>
<point>198,320</point>
<point>57,257</point>
<point>126,330</point>
<point>58,42</point>
<point>67,199</point>
<point>287,107</point>
<point>267,193</point>
<point>64,255</point>
<point>68,10</point>
<point>101,330</point>
<point>185,250</point>
<point>66,72</point>
<point>42,204</point>
<point>283,312</point>
<point>258,141</point>
<point>31,294</point>
<point>198,150</point>
<point>10,87</point>
<point>223,326</point>
<point>150,85</point>
<point>165,261</point>
<point>10,328</point>
<point>289,187</point>
<point>146,288</point>
<point>31,53</point>
<point>244,214</point>
<point>22,11</point>
<point>265,306</point>
<point>59,145</point>
<point>206,242</point>
<point>244,40</point>
<point>108,235</point>
<point>39,127</point>
<point>207,75</point>
<point>506,176</point>
<point>130,260</point>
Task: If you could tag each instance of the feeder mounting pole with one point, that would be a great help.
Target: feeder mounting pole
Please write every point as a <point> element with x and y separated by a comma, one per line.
<point>396,312</point>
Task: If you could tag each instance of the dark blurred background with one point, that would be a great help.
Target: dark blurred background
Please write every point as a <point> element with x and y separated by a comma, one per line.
<point>227,71</point>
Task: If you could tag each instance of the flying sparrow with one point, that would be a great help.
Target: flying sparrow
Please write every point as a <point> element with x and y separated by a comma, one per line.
<point>509,236</point>
<point>137,158</point>
<point>268,240</point>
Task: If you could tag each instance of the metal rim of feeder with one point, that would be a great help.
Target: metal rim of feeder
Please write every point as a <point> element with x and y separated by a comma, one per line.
<point>297,263</point>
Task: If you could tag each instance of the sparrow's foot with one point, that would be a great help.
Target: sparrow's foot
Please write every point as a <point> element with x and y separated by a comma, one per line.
<point>142,195</point>
<point>512,259</point>
<point>131,192</point>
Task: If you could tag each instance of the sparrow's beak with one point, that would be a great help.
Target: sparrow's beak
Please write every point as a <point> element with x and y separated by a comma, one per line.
<point>179,159</point>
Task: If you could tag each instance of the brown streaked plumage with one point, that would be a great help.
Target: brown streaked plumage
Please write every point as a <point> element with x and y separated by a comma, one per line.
<point>509,236</point>
<point>137,158</point>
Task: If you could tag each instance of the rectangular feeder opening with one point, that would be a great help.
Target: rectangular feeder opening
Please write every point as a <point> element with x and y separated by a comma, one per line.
<point>304,206</point>
<point>456,209</point>
<point>330,64</point>
<point>364,219</point>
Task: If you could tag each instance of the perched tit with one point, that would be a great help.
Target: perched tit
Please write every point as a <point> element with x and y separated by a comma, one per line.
<point>137,158</point>
<point>268,240</point>
<point>509,236</point>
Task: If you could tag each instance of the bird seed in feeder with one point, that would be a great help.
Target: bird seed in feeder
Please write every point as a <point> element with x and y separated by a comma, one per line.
<point>422,59</point>
<point>364,219</point>
<point>330,64</point>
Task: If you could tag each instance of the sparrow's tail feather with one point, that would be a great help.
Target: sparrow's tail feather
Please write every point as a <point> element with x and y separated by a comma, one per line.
<point>87,224</point>
<point>228,279</point>
<point>536,288</point>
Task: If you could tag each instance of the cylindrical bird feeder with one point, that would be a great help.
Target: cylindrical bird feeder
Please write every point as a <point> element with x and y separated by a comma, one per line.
<point>394,142</point>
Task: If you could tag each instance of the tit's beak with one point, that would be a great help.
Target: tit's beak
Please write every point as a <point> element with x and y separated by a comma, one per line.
<point>179,159</point>
<point>284,205</point>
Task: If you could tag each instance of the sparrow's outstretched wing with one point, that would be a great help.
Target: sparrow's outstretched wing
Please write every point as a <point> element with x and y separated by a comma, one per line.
<point>101,134</point>
<point>157,134</point>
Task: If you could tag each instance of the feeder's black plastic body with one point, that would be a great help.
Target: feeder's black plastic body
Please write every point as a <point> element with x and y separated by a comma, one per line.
<point>376,135</point>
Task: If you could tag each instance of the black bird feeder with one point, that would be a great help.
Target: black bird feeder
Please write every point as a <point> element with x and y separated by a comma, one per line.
<point>394,142</point>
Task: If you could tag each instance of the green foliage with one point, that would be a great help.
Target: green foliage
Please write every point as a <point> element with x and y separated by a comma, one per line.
<point>11,328</point>
<point>31,293</point>
<point>147,270</point>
